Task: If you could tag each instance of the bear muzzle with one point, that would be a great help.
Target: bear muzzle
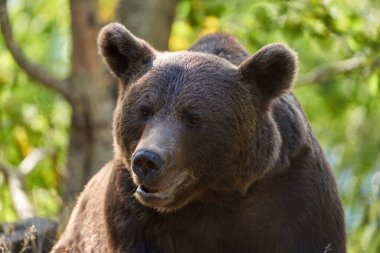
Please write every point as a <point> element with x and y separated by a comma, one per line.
<point>162,194</point>
<point>158,181</point>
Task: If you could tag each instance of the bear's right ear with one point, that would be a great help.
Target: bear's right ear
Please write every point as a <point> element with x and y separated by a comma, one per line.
<point>123,52</point>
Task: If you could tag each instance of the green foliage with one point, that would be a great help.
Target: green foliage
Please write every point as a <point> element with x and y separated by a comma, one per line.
<point>32,117</point>
<point>343,106</point>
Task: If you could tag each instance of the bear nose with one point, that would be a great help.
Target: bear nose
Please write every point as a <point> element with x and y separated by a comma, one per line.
<point>146,162</point>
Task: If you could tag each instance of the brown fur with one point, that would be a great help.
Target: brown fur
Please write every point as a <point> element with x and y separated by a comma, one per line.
<point>242,170</point>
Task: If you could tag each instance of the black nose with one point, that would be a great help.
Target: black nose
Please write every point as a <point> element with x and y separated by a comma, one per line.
<point>146,162</point>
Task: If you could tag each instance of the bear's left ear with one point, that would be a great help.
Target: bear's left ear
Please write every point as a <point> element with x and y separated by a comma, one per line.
<point>270,72</point>
<point>123,52</point>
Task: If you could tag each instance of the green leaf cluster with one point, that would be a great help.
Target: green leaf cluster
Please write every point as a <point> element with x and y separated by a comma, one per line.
<point>32,117</point>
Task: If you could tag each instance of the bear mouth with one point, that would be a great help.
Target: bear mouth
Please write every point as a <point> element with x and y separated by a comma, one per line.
<point>153,198</point>
<point>148,193</point>
<point>145,189</point>
<point>161,199</point>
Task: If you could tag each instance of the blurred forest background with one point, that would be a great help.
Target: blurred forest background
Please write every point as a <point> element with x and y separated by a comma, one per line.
<point>47,111</point>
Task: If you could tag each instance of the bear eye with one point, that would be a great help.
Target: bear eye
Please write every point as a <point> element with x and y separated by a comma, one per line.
<point>145,112</point>
<point>193,120</point>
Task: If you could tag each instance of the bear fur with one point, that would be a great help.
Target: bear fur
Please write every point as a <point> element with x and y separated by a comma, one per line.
<point>233,165</point>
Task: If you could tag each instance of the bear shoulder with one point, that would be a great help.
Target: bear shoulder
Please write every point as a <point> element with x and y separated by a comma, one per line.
<point>86,230</point>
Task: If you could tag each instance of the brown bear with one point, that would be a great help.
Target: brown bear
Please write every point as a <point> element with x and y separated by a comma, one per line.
<point>213,153</point>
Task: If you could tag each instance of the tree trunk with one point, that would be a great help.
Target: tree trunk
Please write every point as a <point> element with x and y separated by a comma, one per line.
<point>90,145</point>
<point>150,19</point>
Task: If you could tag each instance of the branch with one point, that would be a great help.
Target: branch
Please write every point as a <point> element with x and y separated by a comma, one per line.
<point>34,71</point>
<point>20,199</point>
<point>32,160</point>
<point>325,72</point>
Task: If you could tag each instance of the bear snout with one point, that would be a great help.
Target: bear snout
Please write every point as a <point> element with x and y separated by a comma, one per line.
<point>147,163</point>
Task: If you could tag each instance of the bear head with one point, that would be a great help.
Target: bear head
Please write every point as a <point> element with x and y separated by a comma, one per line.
<point>191,126</point>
